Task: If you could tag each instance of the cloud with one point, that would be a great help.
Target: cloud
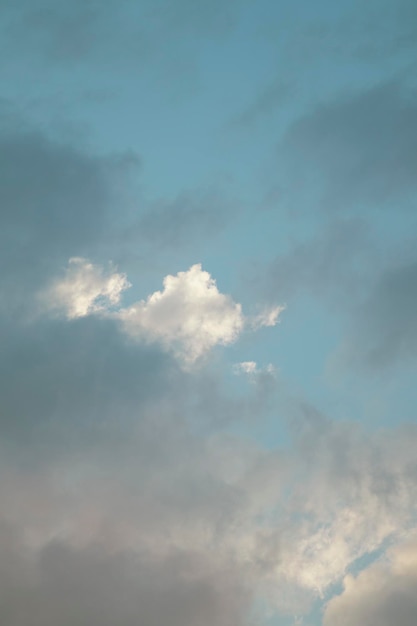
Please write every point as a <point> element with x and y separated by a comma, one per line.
<point>347,268</point>
<point>270,99</point>
<point>384,327</point>
<point>355,491</point>
<point>149,505</point>
<point>77,377</point>
<point>247,367</point>
<point>55,32</point>
<point>188,317</point>
<point>119,504</point>
<point>67,34</point>
<point>383,594</point>
<point>356,151</point>
<point>85,289</point>
<point>56,203</point>
<point>251,369</point>
<point>191,216</point>
<point>383,30</point>
<point>268,317</point>
<point>334,263</point>
<point>94,585</point>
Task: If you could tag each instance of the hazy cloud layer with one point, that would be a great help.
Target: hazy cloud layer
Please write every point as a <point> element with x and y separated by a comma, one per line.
<point>358,150</point>
<point>95,585</point>
<point>54,32</point>
<point>193,215</point>
<point>335,264</point>
<point>384,330</point>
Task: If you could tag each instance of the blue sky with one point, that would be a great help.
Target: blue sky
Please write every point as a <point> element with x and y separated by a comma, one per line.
<point>208,313</point>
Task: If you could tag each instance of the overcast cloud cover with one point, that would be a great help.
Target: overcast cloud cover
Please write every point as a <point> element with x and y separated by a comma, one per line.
<point>208,304</point>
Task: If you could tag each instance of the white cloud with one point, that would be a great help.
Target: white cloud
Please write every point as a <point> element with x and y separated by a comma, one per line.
<point>189,316</point>
<point>342,495</point>
<point>357,492</point>
<point>383,594</point>
<point>246,367</point>
<point>268,317</point>
<point>85,289</point>
<point>251,368</point>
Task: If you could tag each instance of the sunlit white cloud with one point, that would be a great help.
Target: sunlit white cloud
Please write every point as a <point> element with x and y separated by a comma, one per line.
<point>383,594</point>
<point>85,289</point>
<point>188,317</point>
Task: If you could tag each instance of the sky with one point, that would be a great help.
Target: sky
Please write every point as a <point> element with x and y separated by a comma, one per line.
<point>208,313</point>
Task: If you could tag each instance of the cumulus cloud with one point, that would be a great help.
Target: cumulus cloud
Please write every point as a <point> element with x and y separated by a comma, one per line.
<point>383,594</point>
<point>189,316</point>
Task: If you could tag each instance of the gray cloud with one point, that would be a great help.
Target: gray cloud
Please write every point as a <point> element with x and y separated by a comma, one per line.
<point>94,585</point>
<point>139,521</point>
<point>357,492</point>
<point>56,202</point>
<point>384,328</point>
<point>57,33</point>
<point>346,267</point>
<point>335,264</point>
<point>192,216</point>
<point>374,34</point>
<point>76,378</point>
<point>269,100</point>
<point>357,151</point>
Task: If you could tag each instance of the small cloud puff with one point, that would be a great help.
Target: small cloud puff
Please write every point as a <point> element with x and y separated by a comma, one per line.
<point>250,368</point>
<point>268,317</point>
<point>188,317</point>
